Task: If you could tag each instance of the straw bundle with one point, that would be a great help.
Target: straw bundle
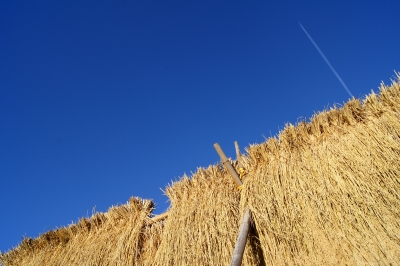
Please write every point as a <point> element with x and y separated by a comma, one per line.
<point>321,193</point>
<point>328,192</point>
<point>117,237</point>
<point>203,222</point>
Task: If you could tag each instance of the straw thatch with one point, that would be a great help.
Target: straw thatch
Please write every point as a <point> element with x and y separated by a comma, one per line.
<point>203,222</point>
<point>328,192</point>
<point>325,192</point>
<point>117,237</point>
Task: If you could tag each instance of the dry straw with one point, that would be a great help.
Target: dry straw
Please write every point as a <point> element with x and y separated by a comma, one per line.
<point>117,237</point>
<point>203,221</point>
<point>325,192</point>
<point>328,192</point>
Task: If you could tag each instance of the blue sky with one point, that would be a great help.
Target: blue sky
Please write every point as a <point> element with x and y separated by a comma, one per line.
<point>103,100</point>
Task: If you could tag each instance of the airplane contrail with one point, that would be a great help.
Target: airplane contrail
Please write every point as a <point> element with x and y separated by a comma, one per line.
<point>326,60</point>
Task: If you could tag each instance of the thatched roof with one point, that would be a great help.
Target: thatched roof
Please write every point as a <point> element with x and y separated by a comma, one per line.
<point>326,192</point>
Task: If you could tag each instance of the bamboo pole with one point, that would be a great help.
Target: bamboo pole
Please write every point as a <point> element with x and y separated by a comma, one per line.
<point>158,217</point>
<point>238,155</point>
<point>238,252</point>
<point>227,165</point>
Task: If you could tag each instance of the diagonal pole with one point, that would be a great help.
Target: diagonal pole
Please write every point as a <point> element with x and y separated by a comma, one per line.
<point>240,245</point>
<point>238,252</point>
<point>228,165</point>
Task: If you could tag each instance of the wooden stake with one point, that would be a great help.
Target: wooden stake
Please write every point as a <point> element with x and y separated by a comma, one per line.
<point>227,165</point>
<point>238,252</point>
<point>159,217</point>
<point>238,155</point>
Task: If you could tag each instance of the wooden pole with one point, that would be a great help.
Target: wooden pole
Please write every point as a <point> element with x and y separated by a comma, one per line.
<point>227,165</point>
<point>238,252</point>
<point>238,154</point>
<point>159,217</point>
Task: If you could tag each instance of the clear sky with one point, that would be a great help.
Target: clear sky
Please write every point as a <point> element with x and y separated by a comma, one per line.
<point>103,100</point>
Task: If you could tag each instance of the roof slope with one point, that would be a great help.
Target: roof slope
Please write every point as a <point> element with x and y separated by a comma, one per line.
<point>328,192</point>
<point>325,192</point>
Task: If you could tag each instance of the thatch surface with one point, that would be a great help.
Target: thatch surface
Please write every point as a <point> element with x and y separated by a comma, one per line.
<point>117,237</point>
<point>325,192</point>
<point>328,192</point>
<point>203,222</point>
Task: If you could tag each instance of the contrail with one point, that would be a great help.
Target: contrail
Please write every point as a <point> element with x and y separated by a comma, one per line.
<point>326,60</point>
